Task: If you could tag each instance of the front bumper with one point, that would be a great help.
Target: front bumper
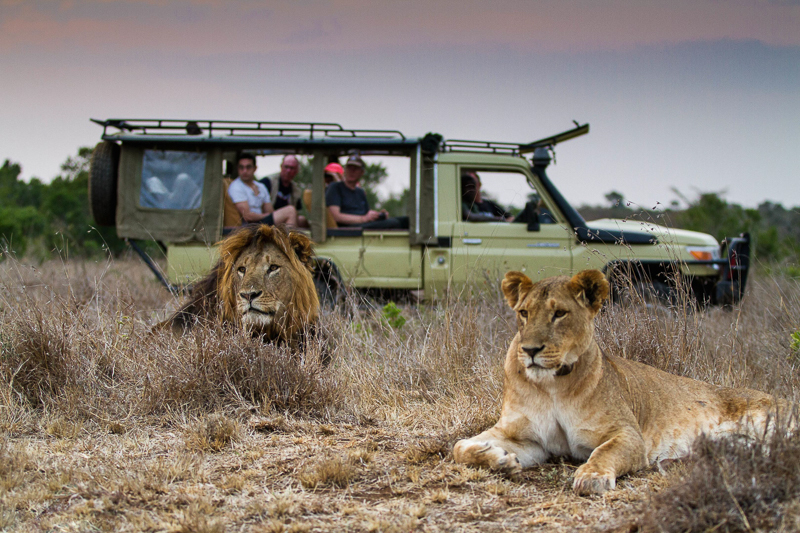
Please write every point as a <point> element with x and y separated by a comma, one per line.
<point>734,266</point>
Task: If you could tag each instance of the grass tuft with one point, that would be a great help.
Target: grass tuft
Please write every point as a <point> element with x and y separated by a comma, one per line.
<point>330,470</point>
<point>733,485</point>
<point>213,433</point>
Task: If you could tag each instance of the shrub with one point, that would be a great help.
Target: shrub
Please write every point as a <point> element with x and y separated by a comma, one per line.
<point>732,485</point>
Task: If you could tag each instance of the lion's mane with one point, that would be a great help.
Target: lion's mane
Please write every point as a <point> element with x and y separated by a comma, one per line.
<point>214,297</point>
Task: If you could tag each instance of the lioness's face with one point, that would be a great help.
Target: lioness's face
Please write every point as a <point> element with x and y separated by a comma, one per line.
<point>555,318</point>
<point>263,287</point>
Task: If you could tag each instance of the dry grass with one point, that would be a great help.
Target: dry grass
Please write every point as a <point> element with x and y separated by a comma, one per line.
<point>109,426</point>
<point>733,485</point>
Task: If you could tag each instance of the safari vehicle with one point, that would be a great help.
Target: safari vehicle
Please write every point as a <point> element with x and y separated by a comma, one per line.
<point>165,180</point>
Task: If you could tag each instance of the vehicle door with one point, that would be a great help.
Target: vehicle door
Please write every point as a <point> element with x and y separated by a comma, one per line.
<point>485,250</point>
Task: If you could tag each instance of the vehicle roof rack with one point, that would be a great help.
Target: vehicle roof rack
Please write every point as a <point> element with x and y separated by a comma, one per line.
<point>494,147</point>
<point>241,128</point>
<point>304,135</point>
<point>490,147</point>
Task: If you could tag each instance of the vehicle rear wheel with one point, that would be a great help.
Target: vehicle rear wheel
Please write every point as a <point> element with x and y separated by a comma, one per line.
<point>103,183</point>
<point>328,284</point>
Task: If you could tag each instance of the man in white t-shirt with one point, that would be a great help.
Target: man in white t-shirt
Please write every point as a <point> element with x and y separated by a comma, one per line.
<point>252,199</point>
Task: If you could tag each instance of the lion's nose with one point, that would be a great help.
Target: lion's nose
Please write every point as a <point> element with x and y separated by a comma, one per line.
<point>250,296</point>
<point>533,350</point>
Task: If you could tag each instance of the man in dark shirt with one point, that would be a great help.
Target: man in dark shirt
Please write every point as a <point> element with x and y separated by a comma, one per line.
<point>347,202</point>
<point>283,190</point>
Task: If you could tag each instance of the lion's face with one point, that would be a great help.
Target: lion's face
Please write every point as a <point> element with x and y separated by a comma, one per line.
<point>264,281</point>
<point>555,318</point>
<point>262,286</point>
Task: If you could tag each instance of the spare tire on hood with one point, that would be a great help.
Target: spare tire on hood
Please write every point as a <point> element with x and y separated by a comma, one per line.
<point>103,183</point>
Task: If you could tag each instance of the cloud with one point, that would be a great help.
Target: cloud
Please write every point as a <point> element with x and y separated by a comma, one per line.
<point>204,27</point>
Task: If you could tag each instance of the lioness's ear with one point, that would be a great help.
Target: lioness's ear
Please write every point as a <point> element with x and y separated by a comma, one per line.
<point>590,288</point>
<point>303,248</point>
<point>515,285</point>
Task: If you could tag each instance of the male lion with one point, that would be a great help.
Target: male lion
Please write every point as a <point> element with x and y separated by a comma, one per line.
<point>262,283</point>
<point>564,397</point>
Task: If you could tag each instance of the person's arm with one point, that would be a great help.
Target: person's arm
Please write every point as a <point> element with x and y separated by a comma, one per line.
<point>266,208</point>
<point>353,220</point>
<point>468,215</point>
<point>333,199</point>
<point>482,217</point>
<point>247,215</point>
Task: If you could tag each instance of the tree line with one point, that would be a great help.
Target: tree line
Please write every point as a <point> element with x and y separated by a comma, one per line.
<point>37,219</point>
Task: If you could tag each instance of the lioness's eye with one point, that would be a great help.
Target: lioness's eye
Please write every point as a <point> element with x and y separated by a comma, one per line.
<point>241,270</point>
<point>559,314</point>
<point>523,313</point>
<point>272,268</point>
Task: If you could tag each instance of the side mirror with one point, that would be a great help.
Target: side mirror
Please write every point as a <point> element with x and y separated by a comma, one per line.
<point>533,223</point>
<point>530,215</point>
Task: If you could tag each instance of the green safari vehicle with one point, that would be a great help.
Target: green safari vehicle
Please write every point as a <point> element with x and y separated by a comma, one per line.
<point>164,180</point>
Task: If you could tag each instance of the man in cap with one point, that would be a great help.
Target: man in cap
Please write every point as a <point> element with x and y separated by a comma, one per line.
<point>348,204</point>
<point>347,201</point>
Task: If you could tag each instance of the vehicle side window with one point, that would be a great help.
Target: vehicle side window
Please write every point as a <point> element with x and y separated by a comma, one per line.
<point>172,179</point>
<point>496,196</point>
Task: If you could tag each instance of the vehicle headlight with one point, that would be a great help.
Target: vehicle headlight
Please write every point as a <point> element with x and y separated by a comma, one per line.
<point>703,253</point>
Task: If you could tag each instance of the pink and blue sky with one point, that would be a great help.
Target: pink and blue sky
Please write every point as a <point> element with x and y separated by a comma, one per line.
<point>701,95</point>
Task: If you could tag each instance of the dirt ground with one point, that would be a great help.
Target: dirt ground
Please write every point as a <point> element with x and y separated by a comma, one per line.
<point>278,475</point>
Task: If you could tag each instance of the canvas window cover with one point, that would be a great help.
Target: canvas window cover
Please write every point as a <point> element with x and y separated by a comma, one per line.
<point>172,180</point>
<point>186,210</point>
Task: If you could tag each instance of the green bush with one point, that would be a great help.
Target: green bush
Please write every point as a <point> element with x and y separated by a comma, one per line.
<point>54,215</point>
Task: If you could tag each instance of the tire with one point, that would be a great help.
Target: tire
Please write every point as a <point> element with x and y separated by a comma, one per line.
<point>328,284</point>
<point>103,183</point>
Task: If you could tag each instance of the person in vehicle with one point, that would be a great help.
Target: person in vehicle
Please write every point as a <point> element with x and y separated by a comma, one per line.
<point>252,199</point>
<point>348,203</point>
<point>333,172</point>
<point>284,190</point>
<point>480,205</point>
<point>472,209</point>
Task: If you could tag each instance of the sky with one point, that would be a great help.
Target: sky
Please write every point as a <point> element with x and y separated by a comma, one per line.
<point>687,95</point>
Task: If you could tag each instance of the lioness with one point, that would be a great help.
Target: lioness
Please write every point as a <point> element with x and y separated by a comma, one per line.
<point>564,397</point>
<point>263,282</point>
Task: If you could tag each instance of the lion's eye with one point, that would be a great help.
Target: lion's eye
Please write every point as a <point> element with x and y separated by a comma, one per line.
<point>559,314</point>
<point>241,270</point>
<point>272,268</point>
<point>523,313</point>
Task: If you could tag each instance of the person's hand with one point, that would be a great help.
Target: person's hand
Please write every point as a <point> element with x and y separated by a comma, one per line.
<point>371,216</point>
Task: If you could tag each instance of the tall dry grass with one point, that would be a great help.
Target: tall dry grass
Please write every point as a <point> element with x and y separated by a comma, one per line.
<point>76,338</point>
<point>76,349</point>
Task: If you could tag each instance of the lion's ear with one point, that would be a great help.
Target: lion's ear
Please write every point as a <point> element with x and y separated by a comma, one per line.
<point>590,288</point>
<point>515,285</point>
<point>303,248</point>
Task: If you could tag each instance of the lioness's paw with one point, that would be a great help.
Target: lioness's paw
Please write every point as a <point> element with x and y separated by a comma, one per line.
<point>485,453</point>
<point>591,480</point>
<point>506,462</point>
